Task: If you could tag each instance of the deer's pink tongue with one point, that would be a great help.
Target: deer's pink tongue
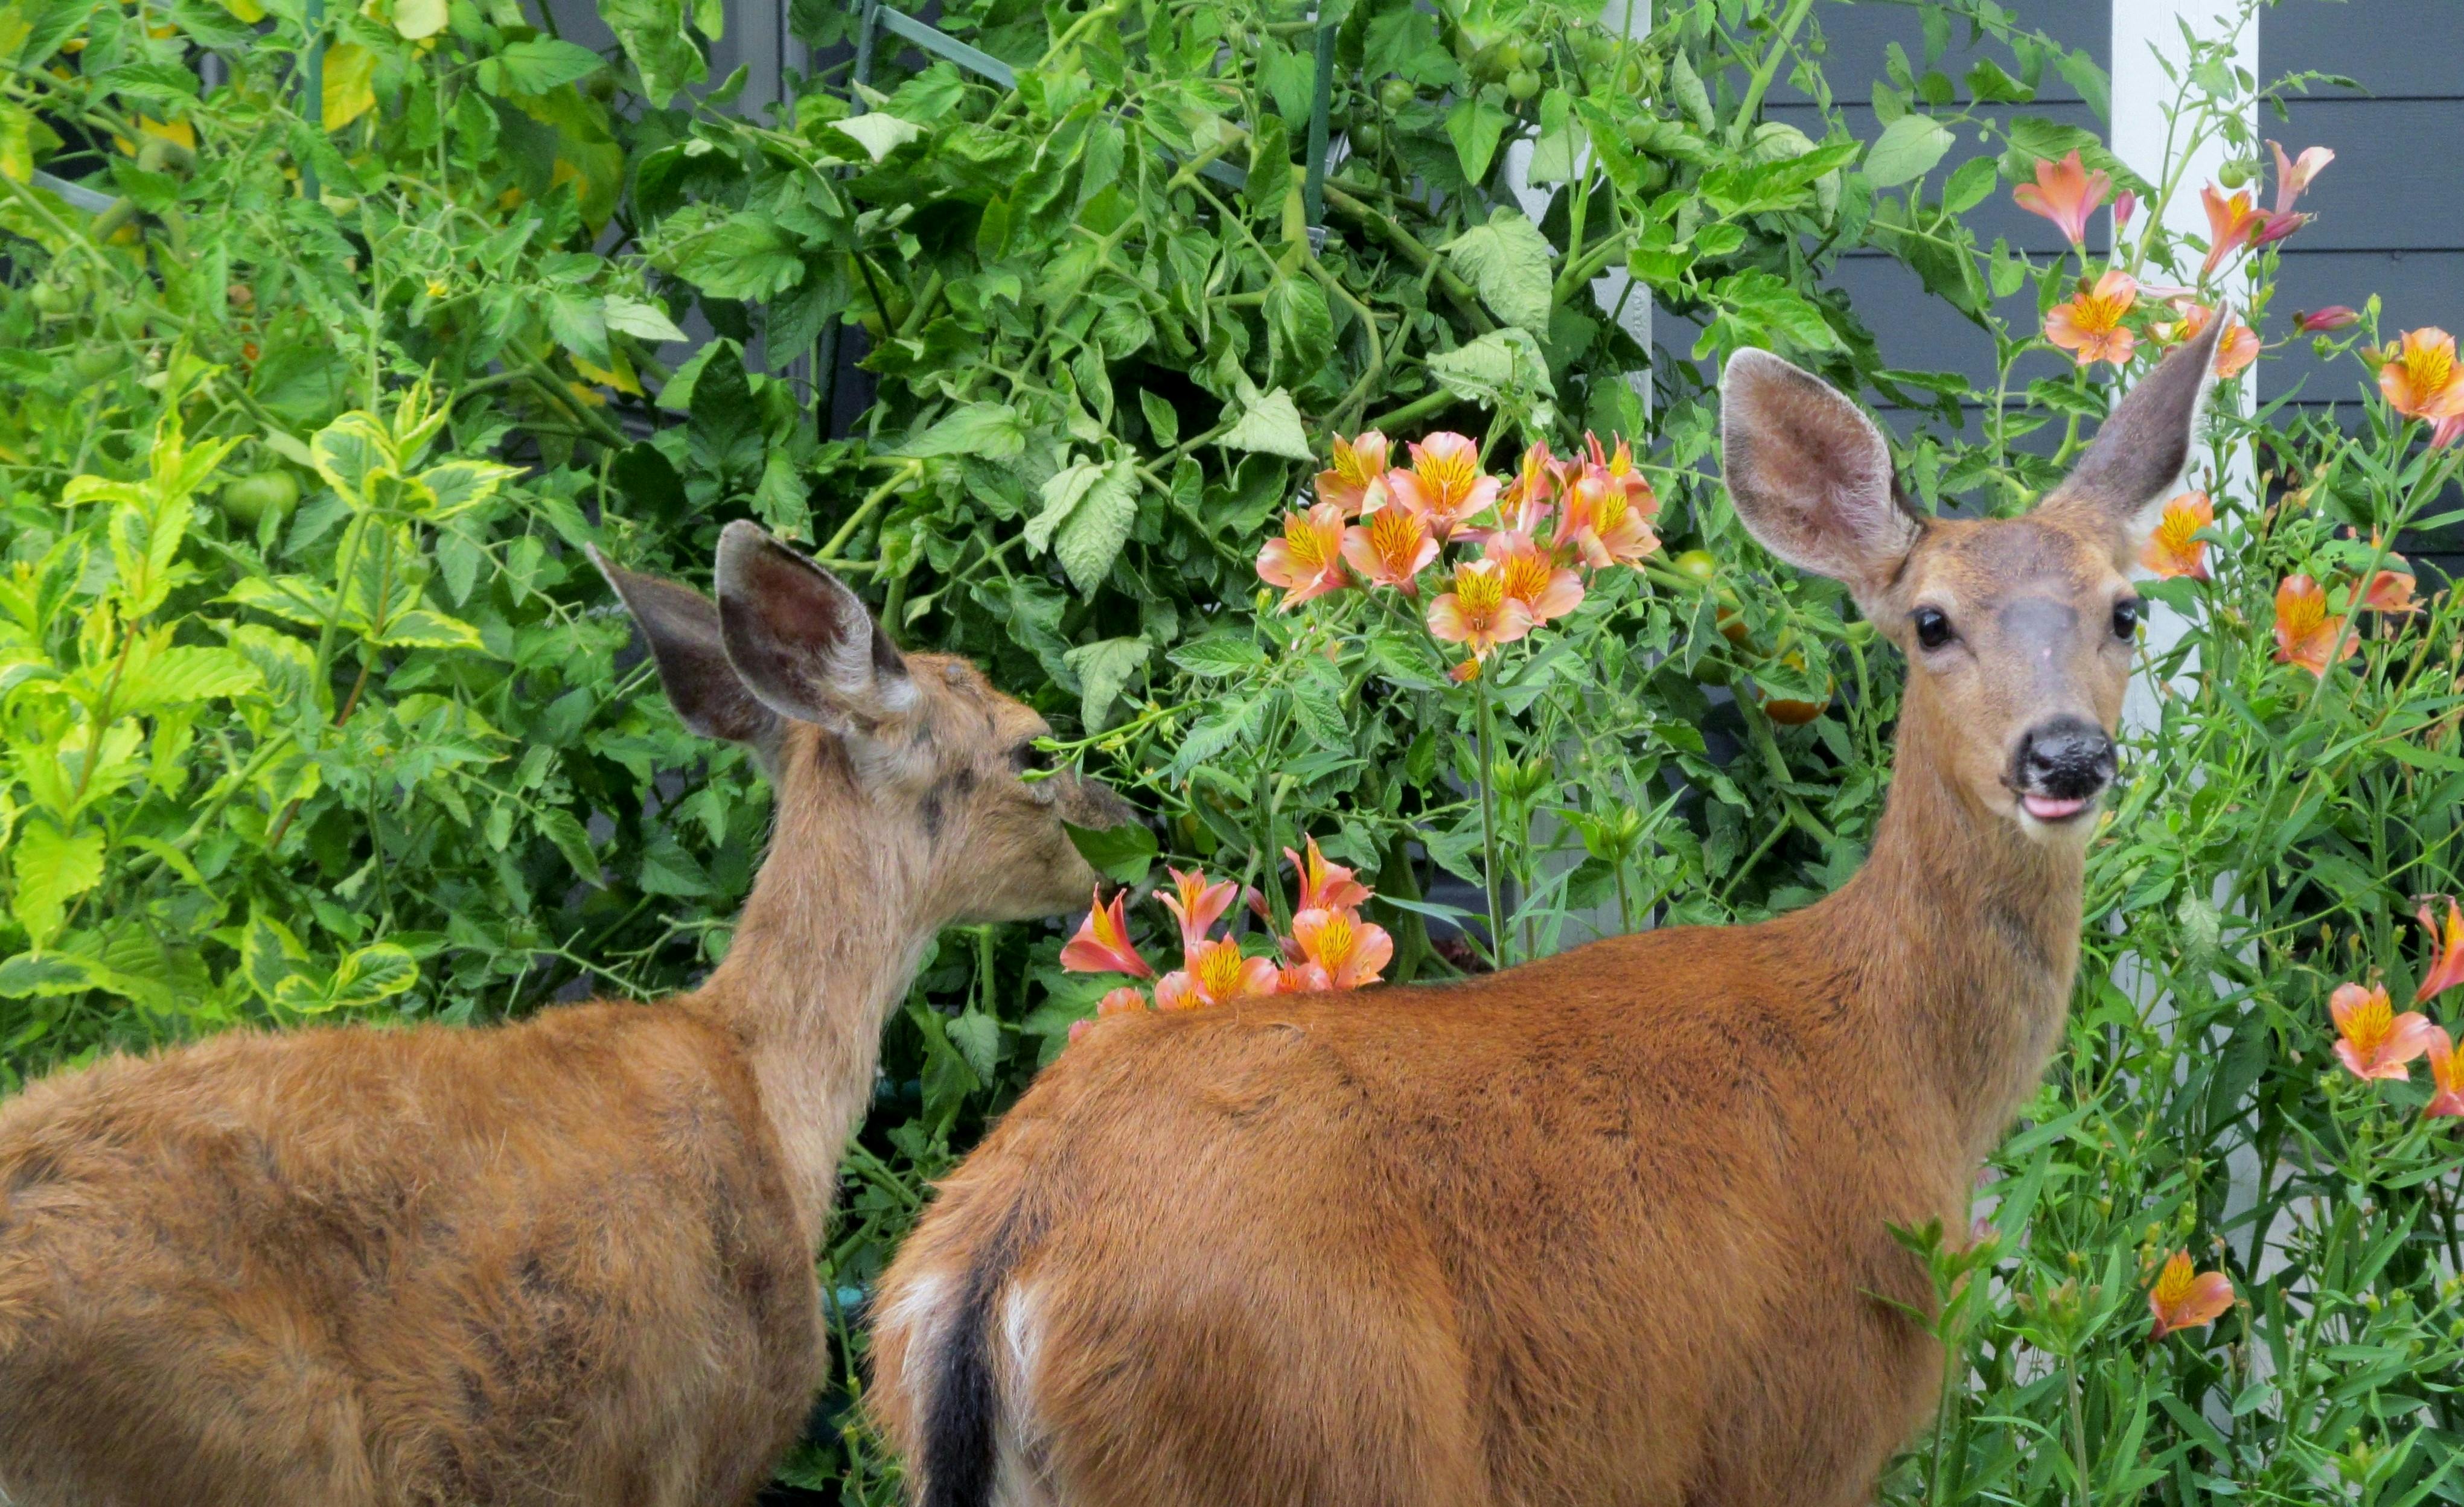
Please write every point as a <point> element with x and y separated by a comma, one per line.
<point>2048,808</point>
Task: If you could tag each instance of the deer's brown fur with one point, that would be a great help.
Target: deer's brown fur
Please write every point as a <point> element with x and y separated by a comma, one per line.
<point>568,1259</point>
<point>1614,1227</point>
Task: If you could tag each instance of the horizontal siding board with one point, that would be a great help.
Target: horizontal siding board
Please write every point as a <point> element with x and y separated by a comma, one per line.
<point>2397,183</point>
<point>1857,38</point>
<point>2405,47</point>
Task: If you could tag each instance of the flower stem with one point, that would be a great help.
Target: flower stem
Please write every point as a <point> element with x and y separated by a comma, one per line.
<point>1489,867</point>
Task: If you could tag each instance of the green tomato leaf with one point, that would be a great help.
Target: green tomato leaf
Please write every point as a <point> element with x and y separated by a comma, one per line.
<point>1475,127</point>
<point>1507,262</point>
<point>1906,150</point>
<point>1271,426</point>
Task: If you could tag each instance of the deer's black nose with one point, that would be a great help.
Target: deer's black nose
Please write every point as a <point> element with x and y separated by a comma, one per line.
<point>2069,758</point>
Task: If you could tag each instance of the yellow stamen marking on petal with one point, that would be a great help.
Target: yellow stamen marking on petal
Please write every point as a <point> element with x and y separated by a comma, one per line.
<point>1480,590</point>
<point>1394,535</point>
<point>1219,969</point>
<point>1310,547</point>
<point>2173,1287</point>
<point>1526,578</point>
<point>1335,940</point>
<point>2371,1024</point>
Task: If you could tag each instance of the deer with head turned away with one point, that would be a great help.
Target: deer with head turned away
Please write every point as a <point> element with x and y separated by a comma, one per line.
<point>565,1260</point>
<point>1614,1227</point>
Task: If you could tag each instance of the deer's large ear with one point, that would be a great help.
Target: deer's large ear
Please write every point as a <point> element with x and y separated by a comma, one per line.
<point>803,642</point>
<point>1811,476</point>
<point>681,626</point>
<point>2139,453</point>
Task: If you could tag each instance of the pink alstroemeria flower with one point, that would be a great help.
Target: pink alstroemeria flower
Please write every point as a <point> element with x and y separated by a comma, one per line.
<point>1216,973</point>
<point>1445,484</point>
<point>1391,547</point>
<point>2446,952</point>
<point>1346,949</point>
<point>1102,943</point>
<point>2374,1042</point>
<point>1308,560</point>
<point>1325,884</point>
<point>2447,1074</point>
<point>1358,462</point>
<point>1195,904</point>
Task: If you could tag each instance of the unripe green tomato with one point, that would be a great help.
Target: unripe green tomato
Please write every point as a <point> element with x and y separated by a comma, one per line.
<point>250,498</point>
<point>1521,84</point>
<point>1368,136</point>
<point>54,300</point>
<point>1531,55</point>
<point>1654,174</point>
<point>2233,174</point>
<point>1631,77</point>
<point>1396,93</point>
<point>1713,670</point>
<point>125,321</point>
<point>1591,49</point>
<point>1491,64</point>
<point>93,363</point>
<point>1699,565</point>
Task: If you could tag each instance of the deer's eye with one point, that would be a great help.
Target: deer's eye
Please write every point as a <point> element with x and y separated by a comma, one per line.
<point>2125,619</point>
<point>1027,758</point>
<point>1933,627</point>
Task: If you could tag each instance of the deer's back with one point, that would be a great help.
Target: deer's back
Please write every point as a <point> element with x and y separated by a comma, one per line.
<point>1563,1231</point>
<point>550,1261</point>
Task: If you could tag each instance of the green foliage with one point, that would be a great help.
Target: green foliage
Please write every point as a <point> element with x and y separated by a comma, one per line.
<point>310,706</point>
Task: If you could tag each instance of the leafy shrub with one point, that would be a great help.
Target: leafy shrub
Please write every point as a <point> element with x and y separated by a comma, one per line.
<point>310,711</point>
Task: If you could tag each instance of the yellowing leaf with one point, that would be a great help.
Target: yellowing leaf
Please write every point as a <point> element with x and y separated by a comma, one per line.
<point>618,373</point>
<point>247,10</point>
<point>350,87</point>
<point>414,19</point>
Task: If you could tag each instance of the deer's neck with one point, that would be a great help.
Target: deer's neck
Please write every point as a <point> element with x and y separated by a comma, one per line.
<point>828,942</point>
<point>1961,936</point>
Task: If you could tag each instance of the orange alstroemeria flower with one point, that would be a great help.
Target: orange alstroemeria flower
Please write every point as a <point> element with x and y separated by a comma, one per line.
<point>2235,350</point>
<point>2420,378</point>
<point>1308,560</point>
<point>1444,485</point>
<point>1533,576</point>
<point>2066,193</point>
<point>1347,951</point>
<point>1216,971</point>
<point>1358,462</point>
<point>1607,522</point>
<point>2185,1298</point>
<point>1478,612</point>
<point>1102,943</point>
<point>1390,548</point>
<point>2390,590</point>
<point>2447,1074</point>
<point>1122,1001</point>
<point>1325,884</point>
<point>2231,223</point>
<point>2090,325</point>
<point>2446,954</point>
<point>2175,549</point>
<point>2374,1040</point>
<point>1195,904</point>
<point>2307,632</point>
